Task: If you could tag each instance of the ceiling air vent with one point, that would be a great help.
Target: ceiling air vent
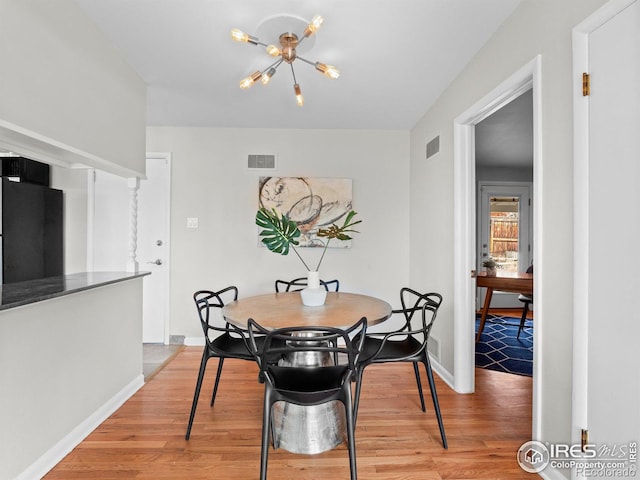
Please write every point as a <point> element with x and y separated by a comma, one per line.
<point>433,147</point>
<point>261,161</point>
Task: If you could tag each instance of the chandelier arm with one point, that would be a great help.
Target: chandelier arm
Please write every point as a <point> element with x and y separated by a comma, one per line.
<point>254,41</point>
<point>293,73</point>
<point>274,65</point>
<point>301,39</point>
<point>313,64</point>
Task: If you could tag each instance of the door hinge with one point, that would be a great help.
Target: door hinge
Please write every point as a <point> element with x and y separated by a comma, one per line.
<point>586,84</point>
<point>584,439</point>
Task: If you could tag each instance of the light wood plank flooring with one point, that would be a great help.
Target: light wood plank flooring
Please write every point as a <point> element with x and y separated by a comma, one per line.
<point>144,439</point>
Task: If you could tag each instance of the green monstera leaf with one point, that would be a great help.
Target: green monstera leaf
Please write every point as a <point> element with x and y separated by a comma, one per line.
<point>278,231</point>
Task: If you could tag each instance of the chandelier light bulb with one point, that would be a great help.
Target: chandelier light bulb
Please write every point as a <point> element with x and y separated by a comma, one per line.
<point>299,97</point>
<point>267,76</point>
<point>314,26</point>
<point>246,83</point>
<point>250,80</point>
<point>328,71</point>
<point>273,51</point>
<point>239,36</point>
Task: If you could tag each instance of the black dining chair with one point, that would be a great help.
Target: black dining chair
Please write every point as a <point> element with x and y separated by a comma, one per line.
<point>315,380</point>
<point>222,340</point>
<point>406,344</point>
<point>300,283</point>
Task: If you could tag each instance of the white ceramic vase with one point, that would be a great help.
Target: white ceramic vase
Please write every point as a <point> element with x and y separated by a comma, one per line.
<point>314,295</point>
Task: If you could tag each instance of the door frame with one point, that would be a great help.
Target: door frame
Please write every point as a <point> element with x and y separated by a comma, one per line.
<point>167,280</point>
<point>527,77</point>
<point>580,39</point>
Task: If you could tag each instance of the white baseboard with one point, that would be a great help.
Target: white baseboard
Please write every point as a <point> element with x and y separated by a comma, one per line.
<point>442,372</point>
<point>56,453</point>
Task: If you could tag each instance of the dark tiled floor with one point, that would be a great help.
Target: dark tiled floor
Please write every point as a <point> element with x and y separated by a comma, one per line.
<point>155,356</point>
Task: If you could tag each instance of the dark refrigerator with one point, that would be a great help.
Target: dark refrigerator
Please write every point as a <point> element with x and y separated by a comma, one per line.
<point>32,231</point>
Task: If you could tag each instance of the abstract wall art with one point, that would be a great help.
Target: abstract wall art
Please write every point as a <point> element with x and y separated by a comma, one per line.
<point>312,203</point>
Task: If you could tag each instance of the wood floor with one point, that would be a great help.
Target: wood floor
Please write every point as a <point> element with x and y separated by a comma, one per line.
<point>395,440</point>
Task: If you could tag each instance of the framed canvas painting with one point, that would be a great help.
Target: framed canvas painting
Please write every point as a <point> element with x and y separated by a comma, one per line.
<point>312,203</point>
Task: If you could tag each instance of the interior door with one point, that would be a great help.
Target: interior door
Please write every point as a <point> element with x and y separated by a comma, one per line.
<point>153,248</point>
<point>504,226</point>
<point>606,379</point>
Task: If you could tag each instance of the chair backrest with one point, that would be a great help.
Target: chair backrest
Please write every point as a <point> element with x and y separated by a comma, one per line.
<point>289,348</point>
<point>426,303</point>
<point>300,283</point>
<point>205,301</point>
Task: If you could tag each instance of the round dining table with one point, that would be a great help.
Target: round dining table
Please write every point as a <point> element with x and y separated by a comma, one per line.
<point>319,428</point>
<point>285,309</point>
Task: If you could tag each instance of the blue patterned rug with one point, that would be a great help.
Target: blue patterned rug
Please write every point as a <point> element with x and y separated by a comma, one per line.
<point>499,349</point>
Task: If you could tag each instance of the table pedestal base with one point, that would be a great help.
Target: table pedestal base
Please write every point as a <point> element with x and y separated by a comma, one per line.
<point>308,430</point>
<point>313,429</point>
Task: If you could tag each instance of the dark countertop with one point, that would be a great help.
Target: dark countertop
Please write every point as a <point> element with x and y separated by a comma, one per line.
<point>31,291</point>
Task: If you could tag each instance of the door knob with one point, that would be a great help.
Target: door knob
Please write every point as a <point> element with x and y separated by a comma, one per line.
<point>157,262</point>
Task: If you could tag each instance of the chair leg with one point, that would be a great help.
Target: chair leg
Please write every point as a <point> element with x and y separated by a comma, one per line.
<point>266,429</point>
<point>356,401</point>
<point>196,395</point>
<point>351,437</point>
<point>525,310</point>
<point>218,373</point>
<point>419,382</point>
<point>436,404</point>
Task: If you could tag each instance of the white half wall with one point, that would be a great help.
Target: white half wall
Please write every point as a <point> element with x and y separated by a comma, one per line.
<point>211,182</point>
<point>61,361</point>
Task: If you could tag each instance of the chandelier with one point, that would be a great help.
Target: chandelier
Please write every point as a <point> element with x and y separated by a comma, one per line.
<point>285,53</point>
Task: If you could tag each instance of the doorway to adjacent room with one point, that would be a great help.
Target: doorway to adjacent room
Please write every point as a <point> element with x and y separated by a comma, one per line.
<point>465,208</point>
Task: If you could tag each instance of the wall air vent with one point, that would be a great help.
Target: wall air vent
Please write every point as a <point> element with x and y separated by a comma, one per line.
<point>261,161</point>
<point>433,347</point>
<point>433,147</point>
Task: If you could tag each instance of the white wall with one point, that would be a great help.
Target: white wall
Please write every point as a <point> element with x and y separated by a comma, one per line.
<point>111,217</point>
<point>210,181</point>
<point>73,183</point>
<point>537,27</point>
<point>66,95</point>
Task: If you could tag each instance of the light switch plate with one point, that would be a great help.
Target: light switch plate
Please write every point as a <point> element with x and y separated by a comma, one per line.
<point>192,222</point>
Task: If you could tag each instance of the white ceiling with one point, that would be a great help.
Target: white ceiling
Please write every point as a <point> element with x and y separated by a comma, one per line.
<point>396,57</point>
<point>505,138</point>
